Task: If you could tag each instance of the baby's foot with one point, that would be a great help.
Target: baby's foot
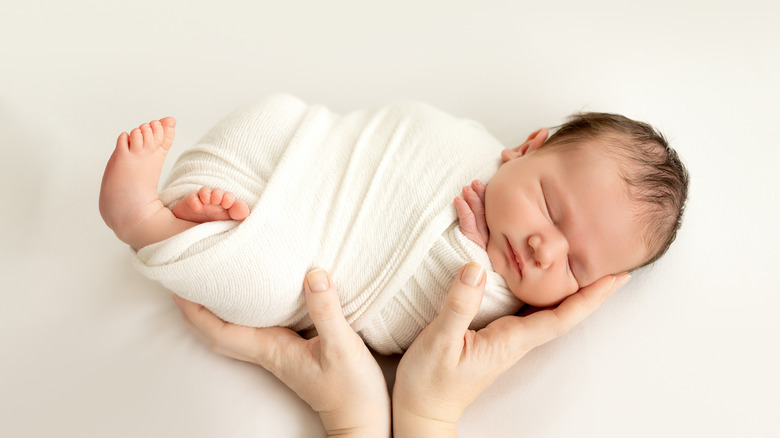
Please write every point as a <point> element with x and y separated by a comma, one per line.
<point>211,205</point>
<point>128,194</point>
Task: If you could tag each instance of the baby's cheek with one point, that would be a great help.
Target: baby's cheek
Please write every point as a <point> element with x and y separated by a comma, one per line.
<point>546,292</point>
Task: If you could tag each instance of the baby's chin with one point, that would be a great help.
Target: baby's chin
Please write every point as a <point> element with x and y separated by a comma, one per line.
<point>533,299</point>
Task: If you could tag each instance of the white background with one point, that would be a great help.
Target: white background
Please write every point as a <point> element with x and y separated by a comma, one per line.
<point>91,349</point>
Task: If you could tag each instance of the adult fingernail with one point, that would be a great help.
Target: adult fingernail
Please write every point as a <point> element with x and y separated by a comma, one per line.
<point>318,280</point>
<point>622,279</point>
<point>472,274</point>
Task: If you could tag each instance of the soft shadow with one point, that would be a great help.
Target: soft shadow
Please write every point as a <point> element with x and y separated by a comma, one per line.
<point>24,166</point>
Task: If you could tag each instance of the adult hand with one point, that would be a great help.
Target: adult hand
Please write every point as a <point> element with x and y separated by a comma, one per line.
<point>333,372</point>
<point>448,365</point>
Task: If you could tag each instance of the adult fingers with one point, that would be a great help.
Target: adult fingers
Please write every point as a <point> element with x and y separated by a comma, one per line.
<point>518,335</point>
<point>573,311</point>
<point>325,311</point>
<point>462,303</point>
<point>198,318</point>
<point>213,331</point>
<point>256,345</point>
<point>185,308</point>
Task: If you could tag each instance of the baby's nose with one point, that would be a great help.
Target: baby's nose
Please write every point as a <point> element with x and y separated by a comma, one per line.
<point>537,250</point>
<point>544,250</point>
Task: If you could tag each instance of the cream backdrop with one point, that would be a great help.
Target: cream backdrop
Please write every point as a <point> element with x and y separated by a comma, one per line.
<point>92,349</point>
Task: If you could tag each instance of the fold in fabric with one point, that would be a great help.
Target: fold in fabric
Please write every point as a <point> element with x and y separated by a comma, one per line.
<point>367,196</point>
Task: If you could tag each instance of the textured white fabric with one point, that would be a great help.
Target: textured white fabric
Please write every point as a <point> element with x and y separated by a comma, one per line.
<point>367,196</point>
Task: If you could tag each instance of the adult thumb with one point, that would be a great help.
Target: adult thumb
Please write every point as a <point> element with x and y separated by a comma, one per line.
<point>462,303</point>
<point>322,301</point>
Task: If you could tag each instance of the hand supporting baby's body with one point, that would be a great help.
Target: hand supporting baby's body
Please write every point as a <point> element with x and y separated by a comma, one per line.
<point>386,216</point>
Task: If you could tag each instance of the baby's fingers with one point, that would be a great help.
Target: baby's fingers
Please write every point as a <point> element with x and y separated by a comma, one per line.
<point>479,189</point>
<point>474,200</point>
<point>468,223</point>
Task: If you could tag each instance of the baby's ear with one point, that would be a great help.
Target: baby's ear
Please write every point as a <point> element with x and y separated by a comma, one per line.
<point>534,142</point>
<point>511,154</point>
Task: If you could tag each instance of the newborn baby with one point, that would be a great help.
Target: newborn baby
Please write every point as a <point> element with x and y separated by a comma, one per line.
<point>281,187</point>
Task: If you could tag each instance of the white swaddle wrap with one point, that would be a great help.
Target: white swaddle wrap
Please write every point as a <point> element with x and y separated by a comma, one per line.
<point>367,196</point>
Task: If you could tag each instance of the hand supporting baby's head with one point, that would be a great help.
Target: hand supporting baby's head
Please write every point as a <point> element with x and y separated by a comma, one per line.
<point>605,194</point>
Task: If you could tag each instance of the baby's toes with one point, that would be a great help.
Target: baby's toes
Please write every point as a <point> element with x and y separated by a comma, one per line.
<point>146,130</point>
<point>169,131</point>
<point>227,200</point>
<point>189,208</point>
<point>238,211</point>
<point>216,196</point>
<point>192,201</point>
<point>123,142</point>
<point>136,140</point>
<point>157,132</point>
<point>205,195</point>
<point>168,122</point>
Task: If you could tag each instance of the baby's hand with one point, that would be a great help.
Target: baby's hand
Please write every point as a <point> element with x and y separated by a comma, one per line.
<point>471,213</point>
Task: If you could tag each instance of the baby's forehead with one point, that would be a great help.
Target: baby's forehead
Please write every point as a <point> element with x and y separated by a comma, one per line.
<point>605,147</point>
<point>588,182</point>
<point>605,161</point>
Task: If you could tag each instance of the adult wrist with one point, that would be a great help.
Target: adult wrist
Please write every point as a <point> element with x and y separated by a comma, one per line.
<point>358,423</point>
<point>366,431</point>
<point>408,424</point>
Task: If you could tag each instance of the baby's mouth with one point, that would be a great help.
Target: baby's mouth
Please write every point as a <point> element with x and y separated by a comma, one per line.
<point>514,260</point>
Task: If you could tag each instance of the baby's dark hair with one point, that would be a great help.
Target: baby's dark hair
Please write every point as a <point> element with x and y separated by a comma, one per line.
<point>655,177</point>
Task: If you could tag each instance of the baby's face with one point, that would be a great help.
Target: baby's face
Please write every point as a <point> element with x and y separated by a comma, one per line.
<point>559,220</point>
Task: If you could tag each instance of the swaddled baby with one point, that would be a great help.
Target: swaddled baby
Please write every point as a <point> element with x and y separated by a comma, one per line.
<point>280,187</point>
